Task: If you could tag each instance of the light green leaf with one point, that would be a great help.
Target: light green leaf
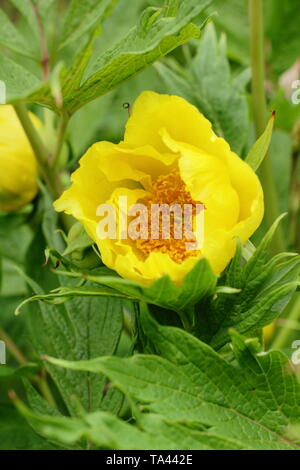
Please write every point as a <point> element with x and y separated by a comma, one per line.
<point>77,240</point>
<point>25,7</point>
<point>82,17</point>
<point>154,36</point>
<point>11,38</point>
<point>20,83</point>
<point>29,9</point>
<point>107,431</point>
<point>259,150</point>
<point>231,18</point>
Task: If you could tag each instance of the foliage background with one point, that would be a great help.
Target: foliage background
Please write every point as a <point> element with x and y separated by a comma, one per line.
<point>214,73</point>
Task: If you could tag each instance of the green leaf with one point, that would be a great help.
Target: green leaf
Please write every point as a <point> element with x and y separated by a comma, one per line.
<point>249,405</point>
<point>259,150</point>
<point>20,83</point>
<point>16,434</point>
<point>10,373</point>
<point>82,328</point>
<point>25,7</point>
<point>82,17</point>
<point>207,83</point>
<point>197,285</point>
<point>145,44</point>
<point>11,38</point>
<point>282,29</point>
<point>39,405</point>
<point>28,9</point>
<point>77,240</point>
<point>266,286</point>
<point>37,402</point>
<point>62,294</point>
<point>231,18</point>
<point>107,431</point>
<point>155,36</point>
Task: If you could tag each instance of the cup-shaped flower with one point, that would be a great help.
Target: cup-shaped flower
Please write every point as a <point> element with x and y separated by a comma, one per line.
<point>169,155</point>
<point>18,167</point>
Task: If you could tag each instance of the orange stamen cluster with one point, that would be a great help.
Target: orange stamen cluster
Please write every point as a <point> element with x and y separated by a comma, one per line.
<point>168,189</point>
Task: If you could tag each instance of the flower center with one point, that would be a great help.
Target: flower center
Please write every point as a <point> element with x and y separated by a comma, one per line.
<point>169,190</point>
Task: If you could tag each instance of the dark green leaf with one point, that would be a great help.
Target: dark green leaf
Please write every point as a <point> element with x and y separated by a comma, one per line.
<point>252,405</point>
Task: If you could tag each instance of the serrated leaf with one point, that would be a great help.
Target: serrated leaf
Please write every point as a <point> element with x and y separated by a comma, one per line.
<point>259,257</point>
<point>192,384</point>
<point>231,18</point>
<point>80,328</point>
<point>128,58</point>
<point>155,36</point>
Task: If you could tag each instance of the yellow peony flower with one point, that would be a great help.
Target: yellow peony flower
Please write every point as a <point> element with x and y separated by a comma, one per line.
<point>169,154</point>
<point>18,168</point>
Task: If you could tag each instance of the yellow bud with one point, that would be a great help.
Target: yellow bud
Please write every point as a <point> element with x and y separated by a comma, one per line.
<point>268,332</point>
<point>18,167</point>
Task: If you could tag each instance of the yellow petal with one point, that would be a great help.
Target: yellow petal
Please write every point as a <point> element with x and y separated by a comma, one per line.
<point>166,133</point>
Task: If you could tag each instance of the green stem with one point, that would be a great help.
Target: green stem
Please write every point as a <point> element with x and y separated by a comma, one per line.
<point>294,203</point>
<point>185,321</point>
<point>260,115</point>
<point>281,340</point>
<point>45,390</point>
<point>12,348</point>
<point>40,381</point>
<point>34,138</point>
<point>60,139</point>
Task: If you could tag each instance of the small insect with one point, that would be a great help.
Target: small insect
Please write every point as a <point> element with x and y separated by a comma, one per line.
<point>57,264</point>
<point>128,107</point>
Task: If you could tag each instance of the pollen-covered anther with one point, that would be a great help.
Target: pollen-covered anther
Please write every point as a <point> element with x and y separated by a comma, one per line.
<point>168,189</point>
